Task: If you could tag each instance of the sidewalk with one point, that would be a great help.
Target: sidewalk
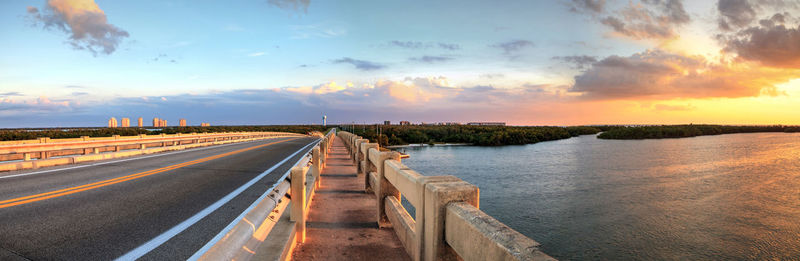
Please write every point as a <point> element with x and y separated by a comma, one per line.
<point>342,220</point>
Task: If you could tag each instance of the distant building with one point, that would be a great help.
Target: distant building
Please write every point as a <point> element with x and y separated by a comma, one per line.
<point>156,122</point>
<point>112,123</point>
<point>204,124</point>
<point>452,123</point>
<point>387,122</point>
<point>324,120</point>
<point>126,122</point>
<point>141,123</point>
<point>487,123</point>
<point>162,123</point>
<point>182,122</point>
<point>404,123</point>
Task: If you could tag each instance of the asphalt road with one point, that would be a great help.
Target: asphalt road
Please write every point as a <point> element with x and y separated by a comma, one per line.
<point>104,211</point>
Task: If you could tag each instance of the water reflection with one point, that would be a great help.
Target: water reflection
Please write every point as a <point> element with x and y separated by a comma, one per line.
<point>713,197</point>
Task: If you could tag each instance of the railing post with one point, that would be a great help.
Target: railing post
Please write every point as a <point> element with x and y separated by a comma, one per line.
<point>316,166</point>
<point>299,202</point>
<point>26,156</point>
<point>384,187</point>
<point>364,163</point>
<point>437,196</point>
<point>357,155</point>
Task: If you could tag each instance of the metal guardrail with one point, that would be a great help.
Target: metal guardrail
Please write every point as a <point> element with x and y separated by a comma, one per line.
<point>448,223</point>
<point>294,189</point>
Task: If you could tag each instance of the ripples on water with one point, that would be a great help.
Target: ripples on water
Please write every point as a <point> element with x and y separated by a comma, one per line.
<point>733,196</point>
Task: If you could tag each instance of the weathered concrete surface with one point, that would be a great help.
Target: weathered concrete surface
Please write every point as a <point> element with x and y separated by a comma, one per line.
<point>474,235</point>
<point>341,224</point>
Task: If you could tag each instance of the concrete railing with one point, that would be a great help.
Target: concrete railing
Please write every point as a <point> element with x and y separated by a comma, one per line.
<point>28,154</point>
<point>266,221</point>
<point>447,223</point>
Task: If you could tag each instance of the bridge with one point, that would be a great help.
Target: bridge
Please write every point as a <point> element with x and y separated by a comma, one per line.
<point>238,196</point>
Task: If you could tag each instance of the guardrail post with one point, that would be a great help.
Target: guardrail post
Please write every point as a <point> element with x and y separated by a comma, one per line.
<point>316,166</point>
<point>358,156</point>
<point>44,155</point>
<point>142,146</point>
<point>117,148</point>
<point>96,150</point>
<point>84,138</point>
<point>385,188</point>
<point>26,156</point>
<point>116,137</point>
<point>43,140</point>
<point>437,196</point>
<point>364,163</point>
<point>299,202</point>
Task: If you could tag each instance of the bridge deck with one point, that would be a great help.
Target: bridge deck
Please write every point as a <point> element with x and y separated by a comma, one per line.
<point>342,223</point>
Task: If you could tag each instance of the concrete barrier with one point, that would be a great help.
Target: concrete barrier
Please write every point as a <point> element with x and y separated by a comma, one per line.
<point>89,149</point>
<point>269,225</point>
<point>448,224</point>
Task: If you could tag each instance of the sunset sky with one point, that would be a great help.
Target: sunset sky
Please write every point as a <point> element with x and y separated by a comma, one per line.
<point>78,62</point>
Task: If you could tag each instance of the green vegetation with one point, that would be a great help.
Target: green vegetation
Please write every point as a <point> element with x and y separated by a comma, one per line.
<point>59,133</point>
<point>682,131</point>
<point>476,135</point>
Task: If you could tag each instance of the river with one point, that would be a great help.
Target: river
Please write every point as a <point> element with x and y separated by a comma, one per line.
<point>734,196</point>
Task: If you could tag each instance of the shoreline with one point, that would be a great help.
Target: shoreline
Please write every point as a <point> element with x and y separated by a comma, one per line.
<point>416,145</point>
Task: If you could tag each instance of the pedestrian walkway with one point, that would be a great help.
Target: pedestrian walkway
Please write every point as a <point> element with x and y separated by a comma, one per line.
<point>342,223</point>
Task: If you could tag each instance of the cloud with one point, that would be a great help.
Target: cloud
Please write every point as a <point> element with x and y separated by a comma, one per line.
<point>361,64</point>
<point>653,19</point>
<point>431,59</point>
<point>771,43</point>
<point>657,74</point>
<point>321,30</point>
<point>596,6</point>
<point>10,94</point>
<point>667,107</point>
<point>737,13</point>
<point>84,21</point>
<point>578,61</point>
<point>513,46</point>
<point>424,45</point>
<point>493,75</point>
<point>292,5</point>
<point>256,54</point>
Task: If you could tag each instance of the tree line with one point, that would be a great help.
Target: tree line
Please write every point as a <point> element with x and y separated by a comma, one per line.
<point>475,135</point>
<point>682,131</point>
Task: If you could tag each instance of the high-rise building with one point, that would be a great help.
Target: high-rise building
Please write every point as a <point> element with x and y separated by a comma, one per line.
<point>141,123</point>
<point>324,120</point>
<point>205,124</point>
<point>405,123</point>
<point>387,122</point>
<point>182,122</point>
<point>126,122</point>
<point>156,122</point>
<point>112,123</point>
<point>163,123</point>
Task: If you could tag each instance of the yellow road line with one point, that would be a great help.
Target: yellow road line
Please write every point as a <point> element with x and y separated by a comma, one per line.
<point>94,185</point>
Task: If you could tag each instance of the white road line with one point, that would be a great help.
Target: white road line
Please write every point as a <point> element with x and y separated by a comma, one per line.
<point>235,221</point>
<point>172,232</point>
<point>123,160</point>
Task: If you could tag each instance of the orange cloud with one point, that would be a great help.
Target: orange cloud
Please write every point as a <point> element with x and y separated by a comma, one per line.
<point>84,21</point>
<point>659,75</point>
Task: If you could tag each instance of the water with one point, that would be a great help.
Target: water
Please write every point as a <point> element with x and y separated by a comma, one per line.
<point>733,196</point>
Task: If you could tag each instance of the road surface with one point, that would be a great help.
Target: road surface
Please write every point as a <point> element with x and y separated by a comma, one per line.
<point>156,207</point>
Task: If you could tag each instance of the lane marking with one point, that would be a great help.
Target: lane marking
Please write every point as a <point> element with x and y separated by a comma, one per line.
<point>200,252</point>
<point>148,246</point>
<point>103,183</point>
<point>130,159</point>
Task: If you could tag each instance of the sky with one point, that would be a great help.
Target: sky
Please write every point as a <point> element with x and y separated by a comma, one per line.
<point>68,63</point>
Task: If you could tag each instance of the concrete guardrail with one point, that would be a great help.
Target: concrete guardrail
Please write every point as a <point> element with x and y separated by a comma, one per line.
<point>448,225</point>
<point>266,231</point>
<point>44,152</point>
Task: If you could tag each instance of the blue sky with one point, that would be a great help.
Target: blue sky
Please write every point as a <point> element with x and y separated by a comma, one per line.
<point>284,62</point>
